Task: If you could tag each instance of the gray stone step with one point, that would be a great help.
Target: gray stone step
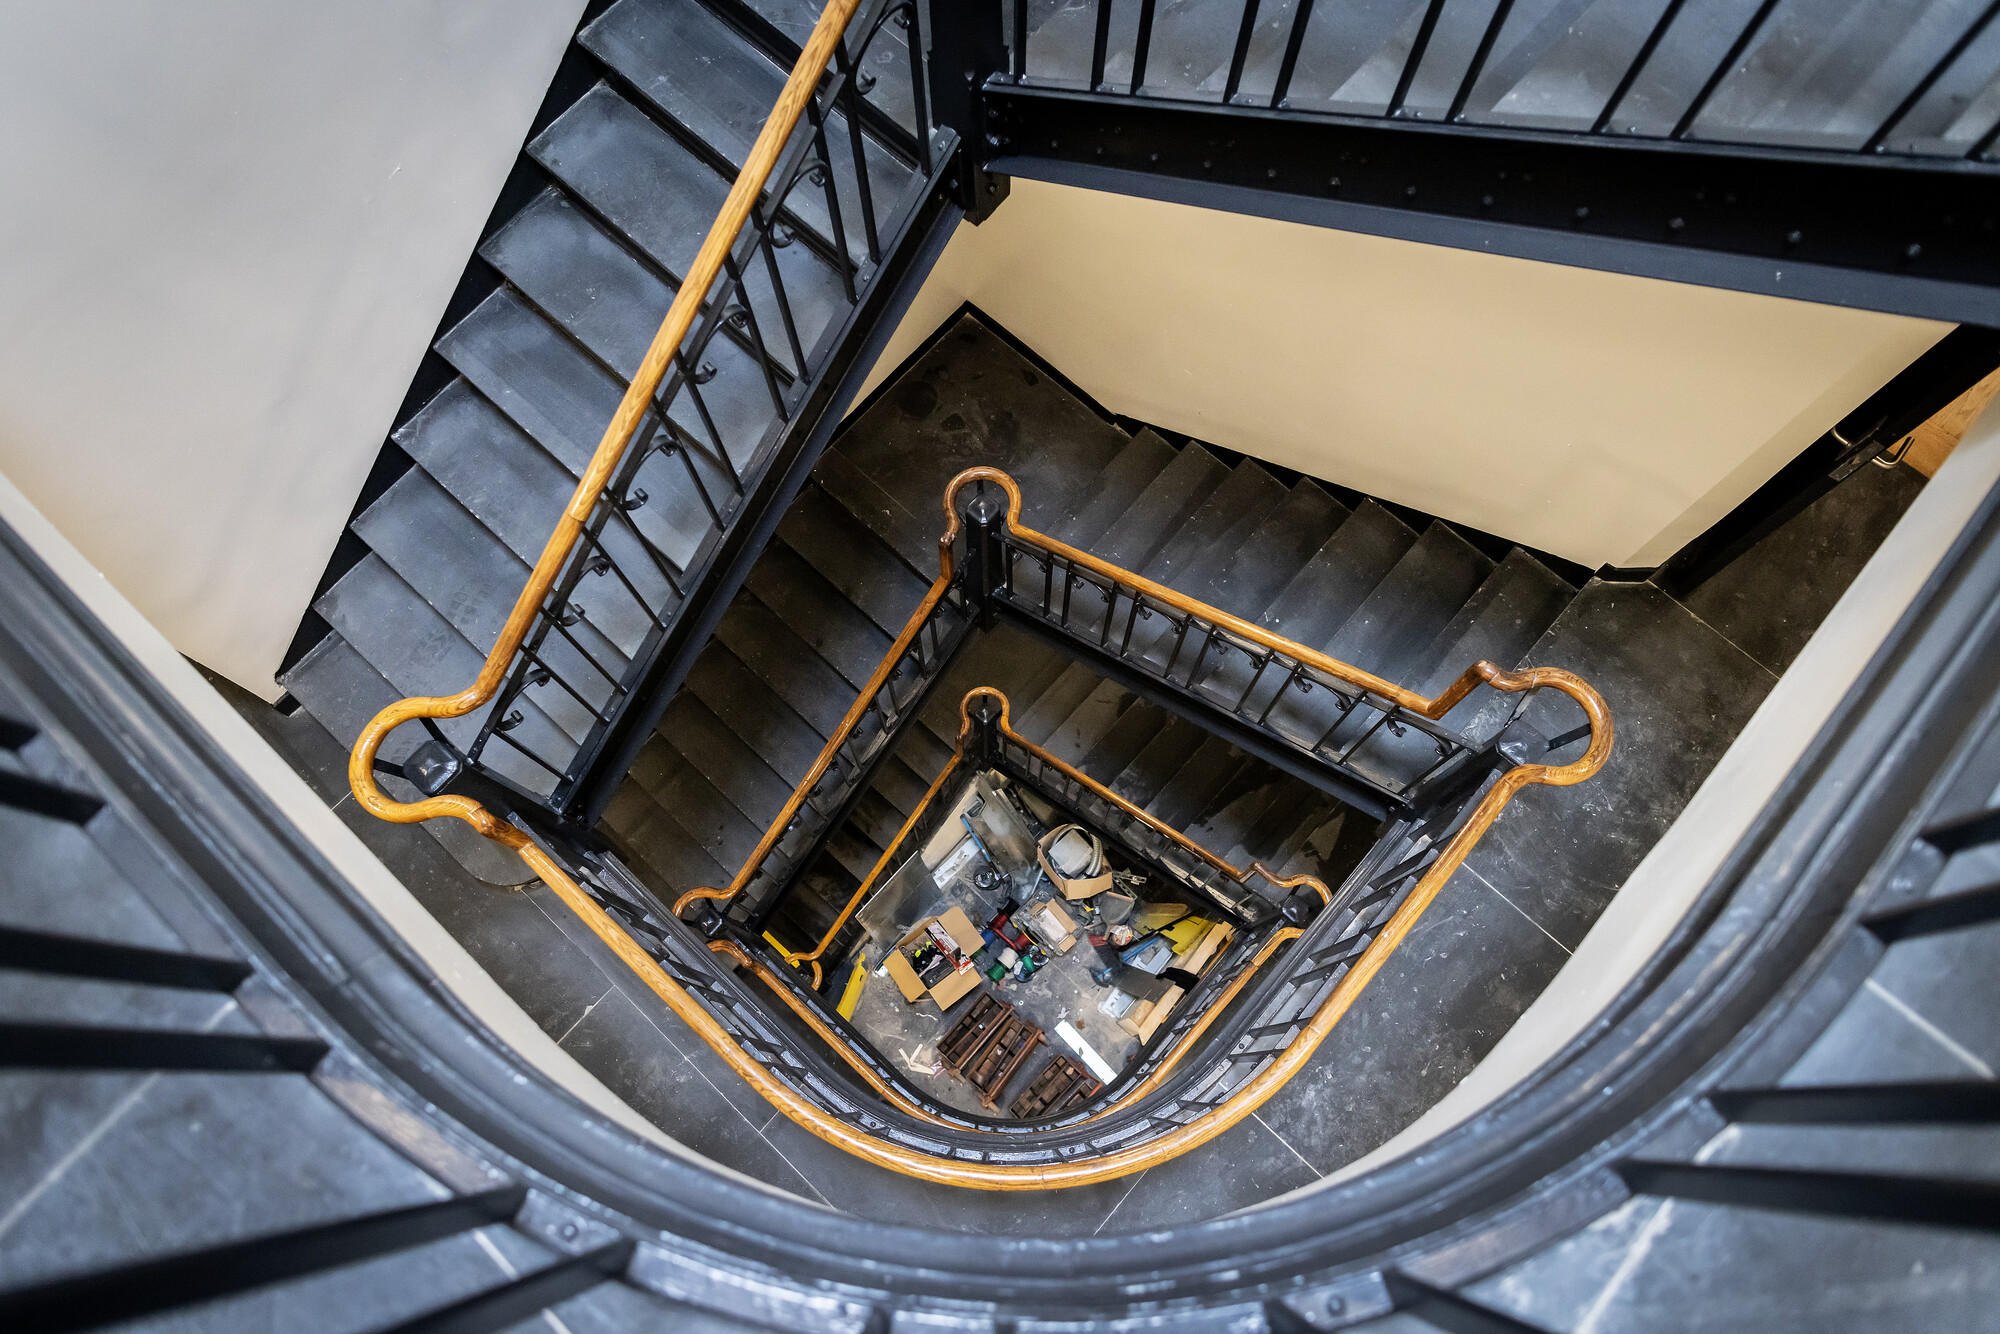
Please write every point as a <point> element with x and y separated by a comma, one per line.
<point>749,708</point>
<point>1183,798</point>
<point>1172,745</point>
<point>1112,491</point>
<point>852,559</point>
<point>833,627</point>
<point>1077,735</point>
<point>1061,698</point>
<point>695,804</point>
<point>1202,547</point>
<point>887,59</point>
<point>701,74</point>
<point>665,855</point>
<point>1168,501</point>
<point>1258,569</point>
<point>737,771</point>
<point>1317,601</point>
<point>1394,626</point>
<point>597,289</point>
<point>787,664</point>
<point>656,193</point>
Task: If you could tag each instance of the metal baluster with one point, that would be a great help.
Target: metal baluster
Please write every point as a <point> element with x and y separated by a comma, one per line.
<point>1415,58</point>
<point>556,624</point>
<point>1131,620</point>
<point>1048,583</point>
<point>784,301</point>
<point>1101,41</point>
<point>653,553</point>
<point>742,315</point>
<point>906,19</point>
<point>1244,32</point>
<point>1361,740</point>
<point>1069,587</point>
<point>852,94</point>
<point>1144,46</point>
<point>1736,50</point>
<point>1180,640</point>
<point>1631,75</point>
<point>1020,41</point>
<point>551,674</point>
<point>1478,65</point>
<point>596,540</point>
<point>1908,104</point>
<point>1293,44</point>
<point>700,487</point>
<point>1294,676</point>
<point>823,170</point>
<point>1243,700</point>
<point>692,381</point>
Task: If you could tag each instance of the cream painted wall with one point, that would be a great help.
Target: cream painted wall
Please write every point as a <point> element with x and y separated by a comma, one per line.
<point>228,231</point>
<point>1604,418</point>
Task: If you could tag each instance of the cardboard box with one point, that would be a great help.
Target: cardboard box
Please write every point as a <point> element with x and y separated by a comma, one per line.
<point>1055,928</point>
<point>1071,889</point>
<point>953,986</point>
<point>1145,1018</point>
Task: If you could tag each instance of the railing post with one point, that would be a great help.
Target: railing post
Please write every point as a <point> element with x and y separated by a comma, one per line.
<point>983,748</point>
<point>985,518</point>
<point>967,48</point>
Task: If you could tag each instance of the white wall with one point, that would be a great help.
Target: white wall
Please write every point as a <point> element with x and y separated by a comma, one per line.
<point>227,232</point>
<point>1602,417</point>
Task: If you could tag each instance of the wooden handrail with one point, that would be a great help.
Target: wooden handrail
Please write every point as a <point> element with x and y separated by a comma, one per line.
<point>701,275</point>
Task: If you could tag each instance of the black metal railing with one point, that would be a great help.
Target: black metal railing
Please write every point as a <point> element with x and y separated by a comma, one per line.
<point>653,537</point>
<point>1753,72</point>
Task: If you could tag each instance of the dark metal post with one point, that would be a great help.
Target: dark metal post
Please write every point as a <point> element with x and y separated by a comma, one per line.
<point>984,519</point>
<point>967,48</point>
<point>983,752</point>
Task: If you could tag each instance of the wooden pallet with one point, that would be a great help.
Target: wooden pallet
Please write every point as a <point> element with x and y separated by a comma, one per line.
<point>962,1041</point>
<point>1061,1085</point>
<point>1010,1042</point>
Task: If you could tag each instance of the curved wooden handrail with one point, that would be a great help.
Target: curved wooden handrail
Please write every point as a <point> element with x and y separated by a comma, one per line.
<point>701,275</point>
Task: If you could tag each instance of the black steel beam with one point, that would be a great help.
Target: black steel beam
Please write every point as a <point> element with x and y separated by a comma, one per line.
<point>24,792</point>
<point>1946,912</point>
<point>1915,236</point>
<point>1202,714</point>
<point>82,1047</point>
<point>511,1303</point>
<point>1939,1202</point>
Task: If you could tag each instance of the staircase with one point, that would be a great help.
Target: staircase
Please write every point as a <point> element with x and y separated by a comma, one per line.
<point>1414,602</point>
<point>619,189</point>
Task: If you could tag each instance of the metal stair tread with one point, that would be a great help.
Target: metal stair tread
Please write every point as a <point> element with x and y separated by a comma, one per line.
<point>1057,701</point>
<point>881,513</point>
<point>833,627</point>
<point>737,771</point>
<point>585,280</point>
<point>900,785</point>
<point>1150,522</point>
<point>1390,630</point>
<point>752,710</point>
<point>1019,667</point>
<point>1123,740</point>
<point>766,645</point>
<point>1073,738</point>
<point>1159,760</point>
<point>1518,602</point>
<point>1338,579</point>
<point>794,20</point>
<point>851,558</point>
<point>1114,489</point>
<point>1203,545</point>
<point>658,194</point>
<point>680,56</point>
<point>1257,570</point>
<point>875,818</point>
<point>679,788</point>
<point>470,577</point>
<point>852,851</point>
<point>554,392</point>
<point>419,653</point>
<point>1185,795</point>
<point>650,840</point>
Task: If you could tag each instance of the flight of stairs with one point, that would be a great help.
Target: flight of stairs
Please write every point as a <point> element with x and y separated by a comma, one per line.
<point>631,173</point>
<point>854,555</point>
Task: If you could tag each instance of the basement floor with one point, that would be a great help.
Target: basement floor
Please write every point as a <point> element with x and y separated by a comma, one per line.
<point>1682,679</point>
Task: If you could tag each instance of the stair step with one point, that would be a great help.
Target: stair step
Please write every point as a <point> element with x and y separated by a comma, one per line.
<point>582,278</point>
<point>1389,633</point>
<point>853,852</point>
<point>1212,534</point>
<point>833,627</point>
<point>901,786</point>
<point>1061,698</point>
<point>666,855</point>
<point>1113,490</point>
<point>1340,576</point>
<point>1196,783</point>
<point>417,652</point>
<point>338,687</point>
<point>1167,502</point>
<point>785,663</point>
<point>875,819</point>
<point>678,788</point>
<point>1078,734</point>
<point>737,771</point>
<point>888,59</point>
<point>468,575</point>
<point>1018,667</point>
<point>912,537</point>
<point>1173,744</point>
<point>1517,603</point>
<point>1235,808</point>
<point>515,488</point>
<point>1123,740</point>
<point>562,398</point>
<point>1258,569</point>
<point>830,539</point>
<point>703,75</point>
<point>1268,833</point>
<point>656,193</point>
<point>765,722</point>
<point>922,753</point>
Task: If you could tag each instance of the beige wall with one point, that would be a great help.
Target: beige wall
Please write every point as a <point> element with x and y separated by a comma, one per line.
<point>227,232</point>
<point>1601,417</point>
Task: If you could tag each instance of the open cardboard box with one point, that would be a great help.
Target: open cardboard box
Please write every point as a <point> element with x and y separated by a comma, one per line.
<point>1071,889</point>
<point>953,986</point>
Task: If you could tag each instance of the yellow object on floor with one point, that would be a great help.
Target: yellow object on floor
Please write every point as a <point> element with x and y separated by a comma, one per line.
<point>851,997</point>
<point>1183,934</point>
<point>779,946</point>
